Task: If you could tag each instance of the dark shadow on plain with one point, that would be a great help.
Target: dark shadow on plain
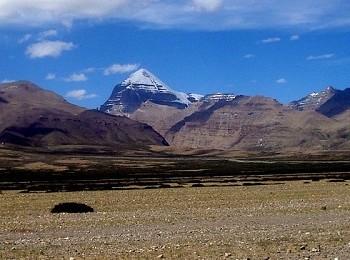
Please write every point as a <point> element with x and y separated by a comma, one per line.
<point>71,207</point>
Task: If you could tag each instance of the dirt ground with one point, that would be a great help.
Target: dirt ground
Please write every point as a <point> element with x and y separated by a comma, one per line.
<point>291,220</point>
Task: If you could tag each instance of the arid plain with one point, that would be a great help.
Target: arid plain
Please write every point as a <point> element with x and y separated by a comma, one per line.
<point>192,205</point>
<point>292,220</point>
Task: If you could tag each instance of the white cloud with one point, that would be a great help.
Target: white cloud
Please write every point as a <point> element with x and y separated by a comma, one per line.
<point>294,37</point>
<point>117,68</point>
<point>249,56</point>
<point>48,49</point>
<point>208,5</point>
<point>271,40</point>
<point>77,77</point>
<point>80,94</point>
<point>51,76</point>
<point>281,81</point>
<point>25,38</point>
<point>321,57</point>
<point>48,33</point>
<point>186,14</point>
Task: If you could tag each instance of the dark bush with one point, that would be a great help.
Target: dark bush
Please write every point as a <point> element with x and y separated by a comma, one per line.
<point>71,207</point>
<point>197,185</point>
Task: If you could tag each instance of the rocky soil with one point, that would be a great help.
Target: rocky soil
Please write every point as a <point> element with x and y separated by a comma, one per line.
<point>292,220</point>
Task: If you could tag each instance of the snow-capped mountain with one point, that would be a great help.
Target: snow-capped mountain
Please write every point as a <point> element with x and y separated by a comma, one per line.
<point>218,97</point>
<point>314,100</point>
<point>143,86</point>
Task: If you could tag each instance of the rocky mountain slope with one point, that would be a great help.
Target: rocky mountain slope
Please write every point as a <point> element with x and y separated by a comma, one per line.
<point>253,123</point>
<point>143,86</point>
<point>233,122</point>
<point>33,116</point>
<point>314,100</point>
<point>337,105</point>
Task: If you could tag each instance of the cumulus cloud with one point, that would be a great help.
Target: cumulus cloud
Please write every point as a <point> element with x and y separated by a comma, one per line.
<point>117,68</point>
<point>321,57</point>
<point>271,40</point>
<point>281,81</point>
<point>203,14</point>
<point>51,76</point>
<point>48,49</point>
<point>76,77</point>
<point>80,94</point>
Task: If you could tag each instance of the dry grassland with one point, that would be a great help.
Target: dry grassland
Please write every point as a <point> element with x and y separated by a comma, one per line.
<point>294,220</point>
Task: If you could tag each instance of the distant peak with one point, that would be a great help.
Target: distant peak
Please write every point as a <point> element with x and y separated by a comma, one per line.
<point>330,88</point>
<point>219,96</point>
<point>144,77</point>
<point>20,84</point>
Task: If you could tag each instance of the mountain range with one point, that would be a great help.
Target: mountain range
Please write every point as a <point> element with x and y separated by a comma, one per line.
<point>142,111</point>
<point>319,121</point>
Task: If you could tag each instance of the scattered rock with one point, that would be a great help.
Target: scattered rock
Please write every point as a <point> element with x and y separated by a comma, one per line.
<point>316,249</point>
<point>160,256</point>
<point>303,246</point>
<point>228,255</point>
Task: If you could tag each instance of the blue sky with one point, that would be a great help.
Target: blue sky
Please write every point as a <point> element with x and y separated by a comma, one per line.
<point>81,49</point>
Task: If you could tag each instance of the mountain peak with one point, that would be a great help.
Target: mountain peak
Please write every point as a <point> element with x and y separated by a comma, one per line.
<point>314,100</point>
<point>144,77</point>
<point>140,87</point>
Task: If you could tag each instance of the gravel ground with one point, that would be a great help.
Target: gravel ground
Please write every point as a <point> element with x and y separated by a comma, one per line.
<point>294,220</point>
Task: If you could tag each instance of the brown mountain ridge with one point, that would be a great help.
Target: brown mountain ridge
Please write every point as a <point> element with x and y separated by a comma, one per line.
<point>32,116</point>
<point>318,121</point>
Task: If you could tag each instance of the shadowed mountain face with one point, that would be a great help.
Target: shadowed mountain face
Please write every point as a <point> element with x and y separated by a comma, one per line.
<point>314,100</point>
<point>338,104</point>
<point>32,116</point>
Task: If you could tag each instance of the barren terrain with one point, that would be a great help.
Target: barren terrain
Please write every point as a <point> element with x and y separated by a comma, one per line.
<point>292,220</point>
<point>174,204</point>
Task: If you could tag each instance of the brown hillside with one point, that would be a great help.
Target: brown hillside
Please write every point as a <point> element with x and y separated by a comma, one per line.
<point>253,123</point>
<point>32,116</point>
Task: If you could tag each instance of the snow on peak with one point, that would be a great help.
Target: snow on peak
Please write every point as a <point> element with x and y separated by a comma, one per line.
<point>142,86</point>
<point>219,96</point>
<point>144,77</point>
<point>314,99</point>
<point>144,80</point>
